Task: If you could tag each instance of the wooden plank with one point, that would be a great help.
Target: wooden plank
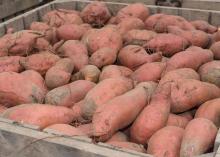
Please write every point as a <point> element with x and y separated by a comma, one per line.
<point>2,30</point>
<point>169,10</point>
<point>43,10</point>
<point>29,17</point>
<point>147,2</point>
<point>215,16</point>
<point>66,5</point>
<point>217,141</point>
<point>16,23</point>
<point>202,4</point>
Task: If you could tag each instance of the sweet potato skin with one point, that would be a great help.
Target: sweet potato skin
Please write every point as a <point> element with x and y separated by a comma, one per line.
<point>176,120</point>
<point>204,26</point>
<point>198,142</point>
<point>2,109</point>
<point>118,136</point>
<point>10,63</point>
<point>166,141</point>
<point>41,115</point>
<point>215,49</point>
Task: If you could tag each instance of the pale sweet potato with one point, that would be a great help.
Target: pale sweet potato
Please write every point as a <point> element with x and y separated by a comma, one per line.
<point>60,73</point>
<point>41,115</point>
<point>133,56</point>
<point>166,142</point>
<point>199,137</point>
<point>215,48</point>
<point>10,63</point>
<point>2,109</point>
<point>78,117</point>
<point>176,120</point>
<point>69,94</point>
<point>204,26</point>
<point>103,92</point>
<point>151,21</point>
<point>118,136</point>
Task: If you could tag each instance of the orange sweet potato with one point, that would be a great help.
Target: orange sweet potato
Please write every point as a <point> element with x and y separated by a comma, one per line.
<point>16,89</point>
<point>215,49</point>
<point>69,94</point>
<point>204,26</point>
<point>39,62</point>
<point>41,115</point>
<point>59,17</point>
<point>168,44</point>
<point>151,21</point>
<point>153,117</point>
<point>59,74</point>
<point>119,112</point>
<point>112,71</point>
<point>199,137</point>
<point>148,72</point>
<point>103,56</point>
<point>209,72</point>
<point>119,136</point>
<point>137,10</point>
<point>189,93</point>
<point>96,14</point>
<point>133,56</point>
<point>210,110</point>
<point>10,63</point>
<point>176,120</point>
<point>166,142</point>
<point>88,72</point>
<point>103,92</point>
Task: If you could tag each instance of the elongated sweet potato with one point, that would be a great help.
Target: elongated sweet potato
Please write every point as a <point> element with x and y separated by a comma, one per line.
<point>76,51</point>
<point>119,136</point>
<point>168,44</point>
<point>103,56</point>
<point>69,94</point>
<point>210,72</point>
<point>103,92</point>
<point>66,129</point>
<point>119,112</point>
<point>138,37</point>
<point>133,56</point>
<point>16,89</point>
<point>112,71</point>
<point>215,49</point>
<point>10,63</point>
<point>194,37</point>
<point>153,117</point>
<point>137,10</point>
<point>39,62</point>
<point>96,14</point>
<point>176,120</point>
<point>191,58</point>
<point>198,137</point>
<point>204,26</point>
<point>59,17</point>
<point>107,36</point>
<point>151,21</point>
<point>148,72</point>
<point>166,142</point>
<point>88,72</point>
<point>41,115</point>
<point>59,74</point>
<point>189,93</point>
<point>210,110</point>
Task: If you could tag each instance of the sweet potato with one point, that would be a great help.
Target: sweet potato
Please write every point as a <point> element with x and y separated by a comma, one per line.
<point>153,117</point>
<point>2,109</point>
<point>59,17</point>
<point>188,115</point>
<point>138,37</point>
<point>216,36</point>
<point>204,26</point>
<point>119,136</point>
<point>70,32</point>
<point>76,51</point>
<point>112,71</point>
<point>41,44</point>
<point>66,129</point>
<point>210,110</point>
<point>78,117</point>
<point>137,10</point>
<point>198,137</point>
<point>107,36</point>
<point>69,94</point>
<point>41,115</point>
<point>59,74</point>
<point>103,56</point>
<point>151,21</point>
<point>103,92</point>
<point>176,120</point>
<point>16,89</point>
<point>149,85</point>
<point>133,56</point>
<point>10,63</point>
<point>210,72</point>
<point>119,112</point>
<point>194,37</point>
<point>191,58</point>
<point>166,142</point>
<point>215,49</point>
<point>128,145</point>
<point>88,72</point>
<point>148,72</point>
<point>189,93</point>
<point>128,24</point>
<point>182,73</point>
<point>39,62</point>
<point>168,44</point>
<point>96,14</point>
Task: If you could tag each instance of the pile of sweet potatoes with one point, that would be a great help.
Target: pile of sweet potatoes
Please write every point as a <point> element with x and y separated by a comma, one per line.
<point>148,83</point>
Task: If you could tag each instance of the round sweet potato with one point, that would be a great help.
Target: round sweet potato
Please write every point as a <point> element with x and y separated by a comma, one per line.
<point>10,63</point>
